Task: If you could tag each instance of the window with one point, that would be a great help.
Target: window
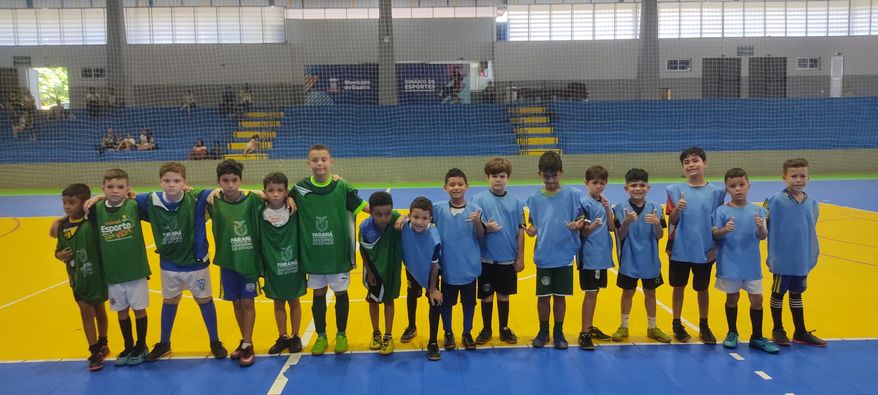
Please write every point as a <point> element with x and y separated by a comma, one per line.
<point>204,25</point>
<point>93,73</point>
<point>678,64</point>
<point>808,64</point>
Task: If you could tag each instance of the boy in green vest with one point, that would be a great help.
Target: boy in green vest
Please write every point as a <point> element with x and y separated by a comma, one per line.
<point>284,278</point>
<point>381,249</point>
<point>77,247</point>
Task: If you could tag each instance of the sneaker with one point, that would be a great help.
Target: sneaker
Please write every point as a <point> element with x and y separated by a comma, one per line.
<point>375,344</point>
<point>621,334</point>
<point>680,333</point>
<point>809,339</point>
<point>763,344</point>
<point>707,336</point>
<point>122,358</point>
<point>341,344</point>
<point>295,344</point>
<point>102,353</point>
<point>95,362</point>
<point>449,341</point>
<point>247,357</point>
<point>320,345</point>
<point>280,345</point>
<point>585,341</point>
<point>237,353</point>
<point>408,334</point>
<point>137,356</point>
<point>508,336</point>
<point>387,346</point>
<point>218,350</point>
<point>657,335</point>
<point>731,340</point>
<point>468,343</point>
<point>560,341</point>
<point>484,336</point>
<point>433,353</point>
<point>596,334</point>
<point>541,339</point>
<point>158,350</point>
<point>779,337</point>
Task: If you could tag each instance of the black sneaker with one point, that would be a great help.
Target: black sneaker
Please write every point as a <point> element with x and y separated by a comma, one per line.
<point>596,334</point>
<point>433,353</point>
<point>248,357</point>
<point>218,350</point>
<point>779,337</point>
<point>468,342</point>
<point>508,336</point>
<point>809,339</point>
<point>484,336</point>
<point>295,344</point>
<point>95,361</point>
<point>158,350</point>
<point>681,335</point>
<point>585,341</point>
<point>560,341</point>
<point>449,341</point>
<point>237,353</point>
<point>282,343</point>
<point>541,339</point>
<point>408,334</point>
<point>707,336</point>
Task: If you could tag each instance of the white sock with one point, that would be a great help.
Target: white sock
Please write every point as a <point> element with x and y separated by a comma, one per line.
<point>245,345</point>
<point>651,321</point>
<point>625,320</point>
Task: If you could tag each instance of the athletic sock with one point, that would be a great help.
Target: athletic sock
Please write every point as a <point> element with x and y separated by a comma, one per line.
<point>433,314</point>
<point>208,313</point>
<point>342,305</point>
<point>732,318</point>
<point>411,302</point>
<point>469,312</point>
<point>777,309</point>
<point>798,311</point>
<point>503,313</point>
<point>756,321</point>
<point>487,315</point>
<point>127,335</point>
<point>318,310</point>
<point>624,320</point>
<point>141,324</point>
<point>169,313</point>
<point>650,322</point>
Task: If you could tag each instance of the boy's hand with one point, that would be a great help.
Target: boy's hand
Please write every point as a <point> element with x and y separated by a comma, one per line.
<point>371,279</point>
<point>730,225</point>
<point>53,228</point>
<point>187,188</point>
<point>132,194</point>
<point>492,226</point>
<point>651,218</point>
<point>576,225</point>
<point>531,230</point>
<point>292,205</point>
<point>91,202</point>
<point>605,202</point>
<point>518,265</point>
<point>336,177</point>
<point>474,216</point>
<point>630,216</point>
<point>213,195</point>
<point>64,255</point>
<point>400,222</point>
<point>760,222</point>
<point>435,297</point>
<point>681,204</point>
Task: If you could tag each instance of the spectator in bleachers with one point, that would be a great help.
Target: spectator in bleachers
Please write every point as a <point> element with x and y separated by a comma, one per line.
<point>126,144</point>
<point>146,142</point>
<point>25,123</point>
<point>227,105</point>
<point>93,102</point>
<point>217,151</point>
<point>108,142</point>
<point>245,99</point>
<point>188,101</point>
<point>112,101</point>
<point>252,145</point>
<point>199,151</point>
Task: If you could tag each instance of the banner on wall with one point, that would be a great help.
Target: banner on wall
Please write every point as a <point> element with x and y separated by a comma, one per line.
<point>328,84</point>
<point>430,83</point>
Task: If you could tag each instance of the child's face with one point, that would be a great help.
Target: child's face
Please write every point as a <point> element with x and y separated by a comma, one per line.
<point>637,189</point>
<point>420,219</point>
<point>172,183</point>
<point>276,194</point>
<point>551,180</point>
<point>230,183</point>
<point>737,187</point>
<point>115,189</point>
<point>498,182</point>
<point>693,166</point>
<point>596,187</point>
<point>73,206</point>
<point>796,178</point>
<point>320,163</point>
<point>381,215</point>
<point>456,187</point>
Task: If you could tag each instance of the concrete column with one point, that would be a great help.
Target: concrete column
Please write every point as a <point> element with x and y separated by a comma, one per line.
<point>386,61</point>
<point>648,59</point>
<point>116,42</point>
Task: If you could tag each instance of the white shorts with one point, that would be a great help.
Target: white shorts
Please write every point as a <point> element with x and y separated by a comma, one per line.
<point>730,286</point>
<point>336,282</point>
<point>197,282</point>
<point>133,294</point>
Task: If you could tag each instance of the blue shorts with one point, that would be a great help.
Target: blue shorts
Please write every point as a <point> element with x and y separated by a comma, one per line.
<point>783,283</point>
<point>235,287</point>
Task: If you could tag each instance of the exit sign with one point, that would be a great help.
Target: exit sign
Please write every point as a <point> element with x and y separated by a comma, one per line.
<point>21,61</point>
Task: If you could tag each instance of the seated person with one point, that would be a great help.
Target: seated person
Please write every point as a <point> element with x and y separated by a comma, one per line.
<point>245,98</point>
<point>93,102</point>
<point>199,151</point>
<point>126,144</point>
<point>188,101</point>
<point>146,141</point>
<point>216,151</point>
<point>23,124</point>
<point>252,145</point>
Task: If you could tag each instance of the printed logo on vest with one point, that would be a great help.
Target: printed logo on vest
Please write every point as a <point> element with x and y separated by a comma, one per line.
<point>240,228</point>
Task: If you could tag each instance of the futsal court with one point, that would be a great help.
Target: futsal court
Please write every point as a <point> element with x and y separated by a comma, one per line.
<point>44,347</point>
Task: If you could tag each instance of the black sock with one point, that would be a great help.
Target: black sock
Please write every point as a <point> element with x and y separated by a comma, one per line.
<point>127,335</point>
<point>732,318</point>
<point>756,320</point>
<point>433,314</point>
<point>798,310</point>
<point>318,310</point>
<point>487,315</point>
<point>544,326</point>
<point>411,303</point>
<point>559,327</point>
<point>102,341</point>
<point>677,322</point>
<point>777,309</point>
<point>342,305</point>
<point>140,323</point>
<point>702,323</point>
<point>503,313</point>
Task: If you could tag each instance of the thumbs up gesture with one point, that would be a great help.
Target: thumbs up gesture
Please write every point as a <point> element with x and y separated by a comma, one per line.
<point>630,216</point>
<point>730,225</point>
<point>652,218</point>
<point>681,204</point>
<point>605,202</point>
<point>760,222</point>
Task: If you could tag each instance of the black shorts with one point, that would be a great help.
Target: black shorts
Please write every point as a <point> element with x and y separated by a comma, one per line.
<point>466,292</point>
<point>629,283</point>
<point>678,274</point>
<point>501,279</point>
<point>592,279</point>
<point>414,288</point>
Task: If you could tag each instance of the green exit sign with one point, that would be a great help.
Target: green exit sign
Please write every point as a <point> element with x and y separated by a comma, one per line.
<point>21,61</point>
<point>745,51</point>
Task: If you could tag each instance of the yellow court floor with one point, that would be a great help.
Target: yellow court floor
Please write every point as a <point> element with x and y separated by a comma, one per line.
<point>41,320</point>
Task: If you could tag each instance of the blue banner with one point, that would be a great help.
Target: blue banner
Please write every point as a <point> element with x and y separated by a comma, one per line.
<point>422,83</point>
<point>328,84</point>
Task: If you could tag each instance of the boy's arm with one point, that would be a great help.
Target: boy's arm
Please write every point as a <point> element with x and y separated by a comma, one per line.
<point>761,229</point>
<point>478,226</point>
<point>675,209</point>
<point>142,200</point>
<point>63,254</point>
<point>55,225</point>
<point>622,231</point>
<point>519,258</point>
<point>611,216</point>
<point>433,286</point>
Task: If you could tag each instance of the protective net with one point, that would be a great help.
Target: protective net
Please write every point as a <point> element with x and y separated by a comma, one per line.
<point>403,90</point>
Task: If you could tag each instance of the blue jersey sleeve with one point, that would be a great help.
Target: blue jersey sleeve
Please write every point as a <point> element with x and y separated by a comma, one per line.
<point>142,200</point>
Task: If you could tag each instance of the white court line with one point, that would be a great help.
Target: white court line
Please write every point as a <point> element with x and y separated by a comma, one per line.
<point>23,298</point>
<point>662,305</point>
<point>736,356</point>
<point>281,380</point>
<point>762,374</point>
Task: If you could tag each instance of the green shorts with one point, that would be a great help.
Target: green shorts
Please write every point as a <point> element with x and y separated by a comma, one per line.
<point>555,281</point>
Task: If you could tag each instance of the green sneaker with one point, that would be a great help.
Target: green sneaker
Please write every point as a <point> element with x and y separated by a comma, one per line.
<point>137,356</point>
<point>731,340</point>
<point>386,346</point>
<point>621,334</point>
<point>320,345</point>
<point>122,358</point>
<point>375,344</point>
<point>657,335</point>
<point>341,344</point>
<point>763,344</point>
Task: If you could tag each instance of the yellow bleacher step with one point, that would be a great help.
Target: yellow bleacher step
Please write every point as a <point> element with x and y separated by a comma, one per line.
<point>529,110</point>
<point>530,120</point>
<point>537,140</point>
<point>267,135</point>
<point>265,114</point>
<point>260,124</point>
<point>534,130</point>
<point>538,152</point>
<point>246,157</point>
<point>241,146</point>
